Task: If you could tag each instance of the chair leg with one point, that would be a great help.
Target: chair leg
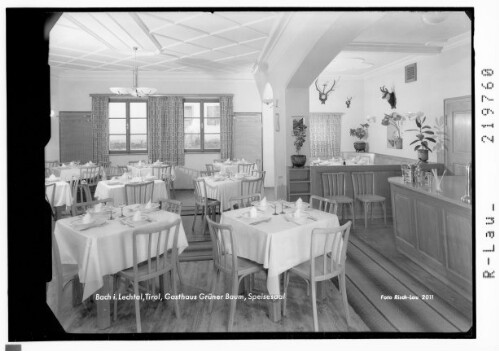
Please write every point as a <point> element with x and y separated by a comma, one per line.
<point>174,285</point>
<point>216,275</point>
<point>59,293</point>
<point>343,290</point>
<point>233,302</point>
<point>116,290</point>
<point>205,222</point>
<point>284,303</point>
<point>384,210</point>
<point>352,204</point>
<point>181,281</point>
<point>195,215</point>
<point>366,208</point>
<point>137,307</point>
<point>314,306</point>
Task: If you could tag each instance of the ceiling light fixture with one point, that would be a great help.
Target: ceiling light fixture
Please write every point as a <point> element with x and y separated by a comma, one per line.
<point>135,90</point>
<point>433,18</point>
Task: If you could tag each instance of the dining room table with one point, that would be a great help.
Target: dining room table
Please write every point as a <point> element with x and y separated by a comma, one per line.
<point>231,167</point>
<point>278,239</point>
<point>62,196</point>
<point>69,171</point>
<point>115,189</point>
<point>223,187</point>
<point>145,169</point>
<point>105,247</point>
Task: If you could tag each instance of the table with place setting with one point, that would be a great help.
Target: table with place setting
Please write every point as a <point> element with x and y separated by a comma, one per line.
<point>70,171</point>
<point>223,187</point>
<point>278,236</point>
<point>62,196</point>
<point>145,169</point>
<point>101,241</point>
<point>115,189</point>
<point>231,167</point>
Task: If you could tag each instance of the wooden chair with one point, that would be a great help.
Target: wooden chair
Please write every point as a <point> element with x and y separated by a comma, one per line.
<point>50,197</point>
<point>170,205</point>
<point>251,186</point>
<point>218,161</point>
<point>209,206</point>
<point>51,164</point>
<point>245,167</point>
<point>329,264</point>
<point>260,174</point>
<point>105,169</point>
<point>91,175</point>
<point>206,173</point>
<point>334,188</point>
<point>226,261</point>
<point>140,193</point>
<point>323,204</point>
<point>62,275</point>
<point>48,172</point>
<point>160,261</point>
<point>79,208</point>
<point>163,172</point>
<point>363,189</point>
<point>122,170</point>
<point>237,202</point>
<point>210,168</point>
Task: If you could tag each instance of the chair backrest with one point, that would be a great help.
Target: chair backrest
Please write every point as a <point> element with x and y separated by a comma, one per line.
<point>170,205</point>
<point>323,204</point>
<point>132,163</point>
<point>80,191</point>
<point>50,196</point>
<point>218,161</point>
<point>206,173</point>
<point>333,184</point>
<point>163,172</point>
<point>48,172</point>
<point>199,190</point>
<point>210,167</point>
<point>363,183</point>
<point>334,243</point>
<point>82,207</point>
<point>260,174</point>
<point>90,174</point>
<point>50,164</point>
<point>224,247</point>
<point>245,167</point>
<point>160,258</point>
<point>139,193</point>
<point>251,186</point>
<point>237,202</point>
<point>122,169</point>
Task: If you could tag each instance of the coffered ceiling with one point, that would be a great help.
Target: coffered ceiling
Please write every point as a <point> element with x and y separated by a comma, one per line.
<point>225,42</point>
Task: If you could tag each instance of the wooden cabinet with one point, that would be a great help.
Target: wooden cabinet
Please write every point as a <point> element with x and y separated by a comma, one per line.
<point>75,135</point>
<point>299,183</point>
<point>435,231</point>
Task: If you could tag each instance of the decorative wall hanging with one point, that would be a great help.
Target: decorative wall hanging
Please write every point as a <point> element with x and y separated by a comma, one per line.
<point>390,97</point>
<point>348,102</point>
<point>324,94</point>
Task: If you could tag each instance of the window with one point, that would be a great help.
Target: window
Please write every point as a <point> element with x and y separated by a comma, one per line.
<point>127,127</point>
<point>202,126</point>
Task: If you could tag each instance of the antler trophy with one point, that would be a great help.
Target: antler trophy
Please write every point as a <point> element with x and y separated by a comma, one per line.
<point>349,101</point>
<point>390,97</point>
<point>324,94</point>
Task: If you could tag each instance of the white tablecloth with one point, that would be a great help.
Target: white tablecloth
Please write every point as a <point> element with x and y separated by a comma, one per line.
<point>66,173</point>
<point>222,190</point>
<point>145,170</point>
<point>278,245</point>
<point>117,192</point>
<point>62,194</point>
<point>230,167</point>
<point>104,250</point>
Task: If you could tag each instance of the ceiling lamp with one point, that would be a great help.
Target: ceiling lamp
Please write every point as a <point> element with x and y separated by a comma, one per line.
<point>135,90</point>
<point>433,18</point>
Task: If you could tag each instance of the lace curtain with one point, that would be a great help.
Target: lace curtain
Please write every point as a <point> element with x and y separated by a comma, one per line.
<point>165,129</point>
<point>325,135</point>
<point>100,126</point>
<point>226,123</point>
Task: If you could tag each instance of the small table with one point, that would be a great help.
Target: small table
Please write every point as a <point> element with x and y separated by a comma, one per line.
<point>62,194</point>
<point>116,191</point>
<point>102,251</point>
<point>222,190</point>
<point>279,244</point>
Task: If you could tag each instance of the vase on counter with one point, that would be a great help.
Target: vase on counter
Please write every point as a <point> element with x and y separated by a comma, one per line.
<point>360,146</point>
<point>423,155</point>
<point>298,161</point>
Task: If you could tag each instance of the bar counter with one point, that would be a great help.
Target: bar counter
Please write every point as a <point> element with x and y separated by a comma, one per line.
<point>435,229</point>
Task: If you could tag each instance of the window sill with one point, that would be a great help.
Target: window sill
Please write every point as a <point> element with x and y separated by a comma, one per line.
<point>202,152</point>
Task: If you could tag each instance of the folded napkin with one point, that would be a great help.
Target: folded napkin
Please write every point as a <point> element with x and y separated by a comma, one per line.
<point>228,161</point>
<point>87,218</point>
<point>136,180</point>
<point>158,162</point>
<point>124,176</point>
<point>299,203</point>
<point>263,203</point>
<point>71,164</point>
<point>98,207</point>
<point>297,213</point>
<point>52,177</point>
<point>137,216</point>
<point>139,163</point>
<point>252,212</point>
<point>148,205</point>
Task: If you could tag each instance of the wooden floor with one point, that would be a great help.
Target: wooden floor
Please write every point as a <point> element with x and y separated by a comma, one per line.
<point>374,268</point>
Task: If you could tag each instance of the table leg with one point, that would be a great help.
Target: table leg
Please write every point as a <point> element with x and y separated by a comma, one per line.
<point>104,306</point>
<point>321,290</point>
<point>275,310</point>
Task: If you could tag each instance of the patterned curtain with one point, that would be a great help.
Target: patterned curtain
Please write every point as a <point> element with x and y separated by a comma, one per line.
<point>226,123</point>
<point>100,126</point>
<point>165,129</point>
<point>325,135</point>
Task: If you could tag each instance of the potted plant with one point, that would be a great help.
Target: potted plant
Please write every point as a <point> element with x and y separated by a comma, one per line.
<point>360,133</point>
<point>299,132</point>
<point>395,120</point>
<point>425,135</point>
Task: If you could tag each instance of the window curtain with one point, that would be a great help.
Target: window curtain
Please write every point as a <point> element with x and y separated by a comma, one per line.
<point>100,128</point>
<point>325,135</point>
<point>226,124</point>
<point>165,129</point>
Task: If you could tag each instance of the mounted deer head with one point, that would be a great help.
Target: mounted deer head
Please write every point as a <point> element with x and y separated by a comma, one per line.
<point>348,102</point>
<point>324,94</point>
<point>390,97</point>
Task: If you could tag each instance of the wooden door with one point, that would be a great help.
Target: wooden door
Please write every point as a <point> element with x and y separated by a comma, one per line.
<point>458,121</point>
<point>247,136</point>
<point>75,136</point>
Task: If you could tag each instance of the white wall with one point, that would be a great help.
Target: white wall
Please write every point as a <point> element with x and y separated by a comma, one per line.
<point>72,93</point>
<point>268,144</point>
<point>439,77</point>
<point>335,103</point>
